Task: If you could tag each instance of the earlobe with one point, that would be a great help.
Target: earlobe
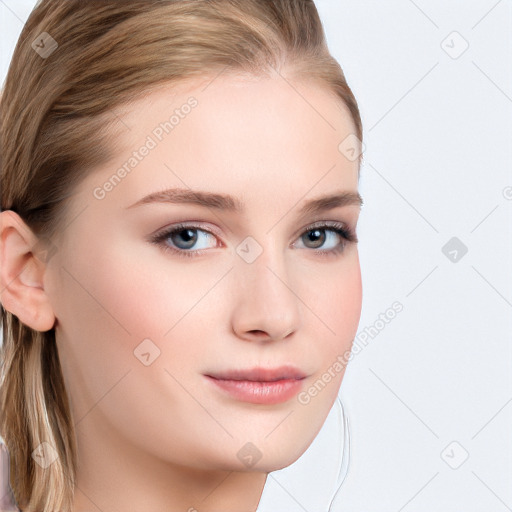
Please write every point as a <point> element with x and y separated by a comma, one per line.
<point>21,273</point>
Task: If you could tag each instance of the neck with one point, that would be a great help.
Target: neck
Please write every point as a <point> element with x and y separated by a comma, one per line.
<point>114,475</point>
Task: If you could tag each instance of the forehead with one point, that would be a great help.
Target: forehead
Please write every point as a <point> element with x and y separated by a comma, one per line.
<point>261,139</point>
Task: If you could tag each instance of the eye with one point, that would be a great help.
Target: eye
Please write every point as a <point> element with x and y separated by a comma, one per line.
<point>337,236</point>
<point>184,239</point>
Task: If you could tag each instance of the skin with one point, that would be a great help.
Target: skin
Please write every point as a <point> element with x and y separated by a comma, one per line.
<point>161,437</point>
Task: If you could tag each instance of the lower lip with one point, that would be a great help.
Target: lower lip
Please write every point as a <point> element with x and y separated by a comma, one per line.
<point>274,392</point>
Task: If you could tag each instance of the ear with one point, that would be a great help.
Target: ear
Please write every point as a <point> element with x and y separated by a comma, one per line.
<point>23,261</point>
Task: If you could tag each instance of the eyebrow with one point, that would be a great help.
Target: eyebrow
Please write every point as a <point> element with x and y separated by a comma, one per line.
<point>232,204</point>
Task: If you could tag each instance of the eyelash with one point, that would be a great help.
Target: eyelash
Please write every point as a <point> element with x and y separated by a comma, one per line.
<point>345,232</point>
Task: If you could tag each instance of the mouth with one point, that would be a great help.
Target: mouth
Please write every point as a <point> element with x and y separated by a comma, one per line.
<point>260,374</point>
<point>259,385</point>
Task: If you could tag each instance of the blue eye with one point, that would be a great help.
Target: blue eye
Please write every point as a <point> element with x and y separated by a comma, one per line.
<point>184,237</point>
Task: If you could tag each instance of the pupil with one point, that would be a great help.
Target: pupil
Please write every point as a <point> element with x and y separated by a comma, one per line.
<point>316,234</point>
<point>189,237</point>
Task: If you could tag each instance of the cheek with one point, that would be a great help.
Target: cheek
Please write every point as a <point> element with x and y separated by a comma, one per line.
<point>336,299</point>
<point>113,298</point>
<point>133,291</point>
<point>146,296</point>
<point>337,303</point>
<point>106,304</point>
<point>346,304</point>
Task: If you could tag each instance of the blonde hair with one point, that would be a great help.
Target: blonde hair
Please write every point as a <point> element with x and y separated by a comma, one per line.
<point>55,109</point>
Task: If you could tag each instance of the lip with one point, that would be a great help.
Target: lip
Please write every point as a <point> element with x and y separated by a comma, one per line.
<point>260,385</point>
<point>260,374</point>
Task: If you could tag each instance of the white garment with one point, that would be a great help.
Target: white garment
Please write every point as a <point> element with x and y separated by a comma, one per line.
<point>7,503</point>
<point>312,481</point>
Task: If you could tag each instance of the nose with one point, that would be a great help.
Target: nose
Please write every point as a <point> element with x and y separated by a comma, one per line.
<point>266,305</point>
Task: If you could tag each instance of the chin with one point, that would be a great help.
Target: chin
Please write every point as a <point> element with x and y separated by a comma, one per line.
<point>281,454</point>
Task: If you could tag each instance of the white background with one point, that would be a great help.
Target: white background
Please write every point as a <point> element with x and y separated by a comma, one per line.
<point>437,165</point>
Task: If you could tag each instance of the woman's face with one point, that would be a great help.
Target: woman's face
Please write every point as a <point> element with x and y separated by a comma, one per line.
<point>142,317</point>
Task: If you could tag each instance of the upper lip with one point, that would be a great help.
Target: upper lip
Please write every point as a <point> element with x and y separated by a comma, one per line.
<point>260,374</point>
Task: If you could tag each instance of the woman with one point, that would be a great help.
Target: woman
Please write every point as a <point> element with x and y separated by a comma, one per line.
<point>180,275</point>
